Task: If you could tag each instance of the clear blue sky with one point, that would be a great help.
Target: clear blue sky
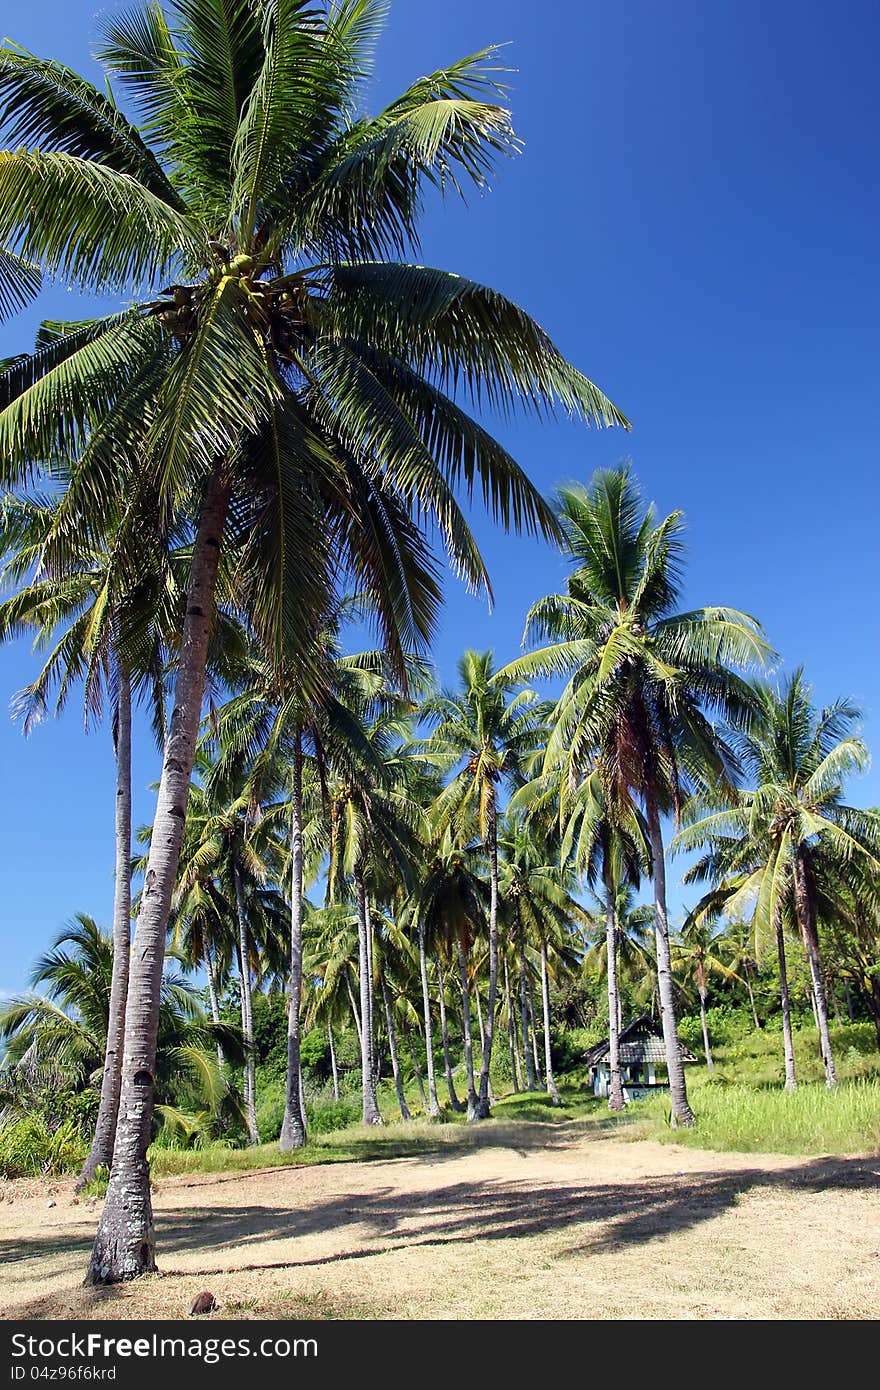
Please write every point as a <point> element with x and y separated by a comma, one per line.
<point>695,220</point>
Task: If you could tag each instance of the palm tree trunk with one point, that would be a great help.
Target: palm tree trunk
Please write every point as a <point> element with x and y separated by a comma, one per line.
<point>370,1112</point>
<point>333,1067</point>
<point>748,971</point>
<point>524,1002</point>
<point>211,973</point>
<point>615,1093</point>
<point>444,1032</point>
<point>420,1080</point>
<point>392,1047</point>
<point>545,1000</point>
<point>247,1015</point>
<point>511,1031</point>
<point>466,1031</point>
<point>433,1107</point>
<point>101,1152</point>
<point>355,1014</point>
<point>371,1012</point>
<point>293,1128</point>
<point>681,1110</point>
<point>787,1039</point>
<point>539,1080</point>
<point>489,1032</point>
<point>710,1064</point>
<point>125,1242</point>
<point>806,914</point>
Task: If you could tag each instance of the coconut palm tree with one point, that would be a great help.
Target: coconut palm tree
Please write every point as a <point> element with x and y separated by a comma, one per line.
<point>771,845</point>
<point>643,681</point>
<point>295,377</point>
<point>696,957</point>
<point>484,739</point>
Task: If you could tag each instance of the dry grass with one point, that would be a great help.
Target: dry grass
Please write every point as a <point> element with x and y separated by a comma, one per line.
<point>510,1221</point>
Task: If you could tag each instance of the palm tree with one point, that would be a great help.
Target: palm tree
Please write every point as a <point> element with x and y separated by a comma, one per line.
<point>61,1034</point>
<point>643,681</point>
<point>791,821</point>
<point>483,738</point>
<point>294,379</point>
<point>696,956</point>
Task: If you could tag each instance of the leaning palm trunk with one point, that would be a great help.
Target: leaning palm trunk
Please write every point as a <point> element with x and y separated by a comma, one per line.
<point>101,1152</point>
<point>444,1032</point>
<point>125,1244</point>
<point>247,1016</point>
<point>545,1000</point>
<point>466,1031</point>
<point>433,1106</point>
<point>787,1039</point>
<point>511,1031</point>
<point>615,1093</point>
<point>370,1112</point>
<point>806,914</point>
<point>293,1128</point>
<point>392,1047</point>
<point>681,1110</point>
<point>710,1063</point>
<point>747,970</point>
<point>524,1003</point>
<point>482,1112</point>
<point>333,1065</point>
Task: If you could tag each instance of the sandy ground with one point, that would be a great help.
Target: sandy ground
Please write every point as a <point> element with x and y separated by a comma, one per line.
<point>516,1223</point>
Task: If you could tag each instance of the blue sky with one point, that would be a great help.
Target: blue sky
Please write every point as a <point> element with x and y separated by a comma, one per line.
<point>694,218</point>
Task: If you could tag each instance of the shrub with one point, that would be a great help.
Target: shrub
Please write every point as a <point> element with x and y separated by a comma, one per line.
<point>29,1147</point>
<point>324,1114</point>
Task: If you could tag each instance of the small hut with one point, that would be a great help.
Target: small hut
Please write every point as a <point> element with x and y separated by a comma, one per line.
<point>641,1049</point>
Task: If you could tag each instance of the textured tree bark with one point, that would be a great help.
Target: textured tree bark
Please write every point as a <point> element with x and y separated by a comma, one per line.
<point>333,1066</point>
<point>125,1244</point>
<point>681,1110</point>
<point>482,1112</point>
<point>615,1093</point>
<point>545,1000</point>
<point>806,914</point>
<point>444,1033</point>
<point>293,1128</point>
<point>524,1002</point>
<point>511,1032</point>
<point>392,1047</point>
<point>466,1031</point>
<point>433,1107</point>
<point>787,1039</point>
<point>101,1152</point>
<point>247,1015</point>
<point>370,1114</point>
<point>710,1062</point>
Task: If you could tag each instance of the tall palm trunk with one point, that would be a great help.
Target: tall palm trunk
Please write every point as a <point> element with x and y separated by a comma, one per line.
<point>466,1030</point>
<point>681,1110</point>
<point>511,1031</point>
<point>334,1069</point>
<point>747,970</point>
<point>806,914</point>
<point>355,1014</point>
<point>247,1014</point>
<point>293,1128</point>
<point>545,1000</point>
<point>211,972</point>
<point>101,1152</point>
<point>539,1080</point>
<point>444,1033</point>
<point>524,1002</point>
<point>615,1093</point>
<point>433,1107</point>
<point>371,981</point>
<point>479,1007</point>
<point>420,1080</point>
<point>787,1039</point>
<point>703,993</point>
<point>392,1047</point>
<point>125,1243</point>
<point>489,1031</point>
<point>370,1114</point>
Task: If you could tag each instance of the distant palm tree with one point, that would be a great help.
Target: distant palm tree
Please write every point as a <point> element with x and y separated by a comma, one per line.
<point>294,376</point>
<point>484,739</point>
<point>697,955</point>
<point>644,681</point>
<point>769,846</point>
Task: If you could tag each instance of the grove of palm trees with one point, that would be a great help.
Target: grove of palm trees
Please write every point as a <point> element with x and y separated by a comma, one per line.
<point>386,906</point>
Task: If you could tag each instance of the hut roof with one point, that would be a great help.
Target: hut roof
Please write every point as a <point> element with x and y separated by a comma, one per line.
<point>640,1041</point>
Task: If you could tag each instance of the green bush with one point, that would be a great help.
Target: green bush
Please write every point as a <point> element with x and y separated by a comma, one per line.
<point>324,1114</point>
<point>29,1147</point>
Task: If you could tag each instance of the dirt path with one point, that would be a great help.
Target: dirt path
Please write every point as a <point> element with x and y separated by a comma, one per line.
<point>520,1223</point>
